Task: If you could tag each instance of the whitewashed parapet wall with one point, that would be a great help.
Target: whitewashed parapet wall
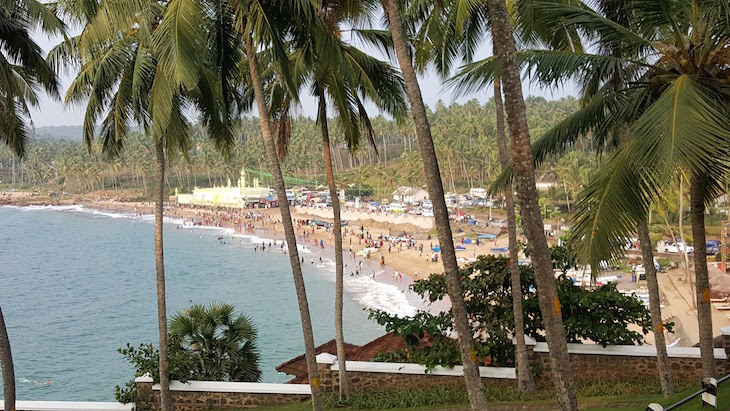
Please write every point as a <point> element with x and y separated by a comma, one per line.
<point>381,376</point>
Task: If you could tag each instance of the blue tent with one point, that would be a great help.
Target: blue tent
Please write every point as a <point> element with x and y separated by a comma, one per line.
<point>436,249</point>
<point>472,222</point>
<point>467,241</point>
<point>460,248</point>
<point>269,198</point>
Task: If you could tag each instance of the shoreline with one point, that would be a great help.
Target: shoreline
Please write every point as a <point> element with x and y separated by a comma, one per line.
<point>267,229</point>
<point>403,264</point>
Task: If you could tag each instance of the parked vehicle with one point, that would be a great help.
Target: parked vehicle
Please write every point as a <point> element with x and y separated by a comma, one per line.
<point>712,247</point>
<point>397,208</point>
<point>677,248</point>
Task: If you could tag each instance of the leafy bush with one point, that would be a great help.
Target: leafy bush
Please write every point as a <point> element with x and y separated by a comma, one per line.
<point>602,315</point>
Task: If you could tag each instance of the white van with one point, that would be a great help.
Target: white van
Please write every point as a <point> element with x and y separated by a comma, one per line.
<point>397,208</point>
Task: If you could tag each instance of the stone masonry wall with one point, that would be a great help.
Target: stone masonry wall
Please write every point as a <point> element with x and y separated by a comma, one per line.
<point>382,381</point>
<point>149,400</point>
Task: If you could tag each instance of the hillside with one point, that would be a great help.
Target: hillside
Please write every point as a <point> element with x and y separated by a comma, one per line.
<point>55,133</point>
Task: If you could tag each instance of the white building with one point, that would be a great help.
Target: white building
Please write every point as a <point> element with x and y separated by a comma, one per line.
<point>478,192</point>
<point>410,194</point>
<point>229,196</point>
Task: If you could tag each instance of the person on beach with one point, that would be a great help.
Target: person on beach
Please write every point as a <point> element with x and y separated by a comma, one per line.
<point>382,259</point>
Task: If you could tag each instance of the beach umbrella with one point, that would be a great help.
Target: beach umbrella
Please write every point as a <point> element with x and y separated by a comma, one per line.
<point>720,280</point>
<point>721,289</point>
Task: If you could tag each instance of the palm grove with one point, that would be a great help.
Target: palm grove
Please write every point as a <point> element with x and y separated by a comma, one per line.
<point>654,102</point>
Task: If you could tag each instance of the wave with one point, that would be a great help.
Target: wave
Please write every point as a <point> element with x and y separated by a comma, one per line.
<point>387,297</point>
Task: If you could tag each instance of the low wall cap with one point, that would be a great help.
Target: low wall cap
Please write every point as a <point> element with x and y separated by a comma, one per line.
<point>725,331</point>
<point>145,378</point>
<point>528,340</point>
<point>326,358</point>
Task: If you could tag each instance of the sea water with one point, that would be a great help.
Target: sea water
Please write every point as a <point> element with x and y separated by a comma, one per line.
<point>76,284</point>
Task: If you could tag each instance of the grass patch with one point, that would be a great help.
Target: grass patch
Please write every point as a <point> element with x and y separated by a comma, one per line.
<point>594,395</point>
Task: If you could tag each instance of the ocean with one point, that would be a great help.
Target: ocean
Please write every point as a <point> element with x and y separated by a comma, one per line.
<point>76,284</point>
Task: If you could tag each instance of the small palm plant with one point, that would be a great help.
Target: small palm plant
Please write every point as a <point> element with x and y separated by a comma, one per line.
<point>223,341</point>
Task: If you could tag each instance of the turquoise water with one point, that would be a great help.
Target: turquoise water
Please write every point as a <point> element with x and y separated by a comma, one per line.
<point>78,284</point>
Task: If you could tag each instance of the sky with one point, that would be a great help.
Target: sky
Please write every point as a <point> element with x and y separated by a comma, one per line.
<point>56,113</point>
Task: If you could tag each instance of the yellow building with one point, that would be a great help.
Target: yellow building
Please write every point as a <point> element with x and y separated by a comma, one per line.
<point>229,196</point>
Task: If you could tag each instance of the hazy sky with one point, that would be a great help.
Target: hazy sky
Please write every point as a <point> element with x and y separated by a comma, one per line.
<point>55,113</point>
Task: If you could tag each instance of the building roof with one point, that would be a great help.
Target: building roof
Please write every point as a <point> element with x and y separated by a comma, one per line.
<point>298,366</point>
<point>406,191</point>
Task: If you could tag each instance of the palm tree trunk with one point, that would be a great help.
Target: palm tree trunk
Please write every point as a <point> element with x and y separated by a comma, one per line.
<point>291,241</point>
<point>473,381</point>
<point>525,381</point>
<point>6,363</point>
<point>339,264</point>
<point>522,160</point>
<point>165,400</point>
<point>665,375</point>
<point>704,310</point>
<point>681,232</point>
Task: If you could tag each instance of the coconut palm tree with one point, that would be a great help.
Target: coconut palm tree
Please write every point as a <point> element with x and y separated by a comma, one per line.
<point>472,379</point>
<point>454,36</point>
<point>259,25</point>
<point>24,72</point>
<point>667,104</point>
<point>225,342</point>
<point>341,73</point>
<point>122,77</point>
<point>522,161</point>
<point>596,74</point>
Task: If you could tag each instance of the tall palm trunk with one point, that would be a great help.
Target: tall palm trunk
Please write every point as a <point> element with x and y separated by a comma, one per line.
<point>165,400</point>
<point>525,381</point>
<point>473,381</point>
<point>524,171</point>
<point>665,375</point>
<point>697,191</point>
<point>339,269</point>
<point>6,363</point>
<point>290,235</point>
<point>681,232</point>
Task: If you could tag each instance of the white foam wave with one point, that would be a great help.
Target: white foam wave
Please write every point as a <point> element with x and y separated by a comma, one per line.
<point>381,296</point>
<point>74,207</point>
